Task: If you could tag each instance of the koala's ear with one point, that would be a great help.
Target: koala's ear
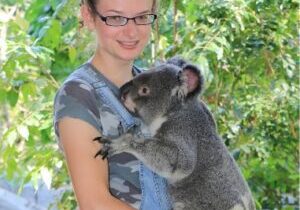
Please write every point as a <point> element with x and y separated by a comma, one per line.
<point>192,79</point>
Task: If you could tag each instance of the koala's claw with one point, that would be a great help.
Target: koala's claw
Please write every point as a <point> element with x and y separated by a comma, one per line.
<point>101,140</point>
<point>103,152</point>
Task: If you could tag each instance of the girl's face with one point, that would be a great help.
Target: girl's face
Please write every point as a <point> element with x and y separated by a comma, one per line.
<point>122,42</point>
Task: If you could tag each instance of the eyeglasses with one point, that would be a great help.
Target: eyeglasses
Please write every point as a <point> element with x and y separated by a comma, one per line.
<point>116,20</point>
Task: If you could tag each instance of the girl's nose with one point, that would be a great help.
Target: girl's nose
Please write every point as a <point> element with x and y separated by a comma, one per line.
<point>130,29</point>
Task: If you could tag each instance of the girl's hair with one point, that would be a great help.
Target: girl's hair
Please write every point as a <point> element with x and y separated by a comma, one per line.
<point>92,5</point>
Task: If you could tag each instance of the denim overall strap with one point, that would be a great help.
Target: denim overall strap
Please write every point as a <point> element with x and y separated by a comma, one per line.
<point>106,96</point>
<point>155,194</point>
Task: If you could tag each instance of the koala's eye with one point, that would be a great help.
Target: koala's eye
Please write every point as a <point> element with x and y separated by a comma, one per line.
<point>144,91</point>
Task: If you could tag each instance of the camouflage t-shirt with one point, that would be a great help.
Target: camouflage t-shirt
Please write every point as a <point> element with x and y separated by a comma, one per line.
<point>76,99</point>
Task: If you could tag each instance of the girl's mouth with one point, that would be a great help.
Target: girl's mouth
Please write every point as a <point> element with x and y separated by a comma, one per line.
<point>128,44</point>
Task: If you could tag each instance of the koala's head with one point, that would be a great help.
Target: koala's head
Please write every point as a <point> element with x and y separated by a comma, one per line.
<point>162,88</point>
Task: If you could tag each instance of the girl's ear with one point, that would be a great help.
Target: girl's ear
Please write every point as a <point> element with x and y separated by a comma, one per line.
<point>87,17</point>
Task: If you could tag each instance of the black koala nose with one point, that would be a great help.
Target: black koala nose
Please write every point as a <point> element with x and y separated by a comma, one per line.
<point>124,90</point>
<point>124,96</point>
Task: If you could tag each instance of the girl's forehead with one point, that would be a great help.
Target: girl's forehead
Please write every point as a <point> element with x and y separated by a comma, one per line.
<point>125,7</point>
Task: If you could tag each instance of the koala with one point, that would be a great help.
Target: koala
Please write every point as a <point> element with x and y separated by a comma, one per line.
<point>183,145</point>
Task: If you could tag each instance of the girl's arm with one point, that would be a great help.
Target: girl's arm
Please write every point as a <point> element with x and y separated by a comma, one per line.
<point>89,175</point>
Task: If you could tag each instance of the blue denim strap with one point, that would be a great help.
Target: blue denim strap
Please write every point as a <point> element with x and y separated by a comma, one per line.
<point>106,95</point>
<point>154,190</point>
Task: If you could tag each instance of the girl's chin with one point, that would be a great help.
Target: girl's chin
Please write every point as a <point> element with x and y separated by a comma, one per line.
<point>128,55</point>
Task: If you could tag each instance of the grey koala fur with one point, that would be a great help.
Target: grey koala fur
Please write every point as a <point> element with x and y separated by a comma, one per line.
<point>184,146</point>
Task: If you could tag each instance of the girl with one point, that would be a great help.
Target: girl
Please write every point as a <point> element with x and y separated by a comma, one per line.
<point>122,28</point>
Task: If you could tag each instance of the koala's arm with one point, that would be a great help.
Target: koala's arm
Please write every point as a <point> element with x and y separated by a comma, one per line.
<point>164,157</point>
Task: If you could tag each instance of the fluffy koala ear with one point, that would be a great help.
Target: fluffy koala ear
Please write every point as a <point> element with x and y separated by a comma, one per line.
<point>192,80</point>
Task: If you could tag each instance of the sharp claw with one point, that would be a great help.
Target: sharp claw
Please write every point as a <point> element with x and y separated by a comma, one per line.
<point>104,155</point>
<point>103,152</point>
<point>101,140</point>
<point>98,138</point>
<point>98,153</point>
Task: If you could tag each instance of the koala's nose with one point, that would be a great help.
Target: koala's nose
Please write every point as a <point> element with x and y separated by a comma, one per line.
<point>123,96</point>
<point>124,90</point>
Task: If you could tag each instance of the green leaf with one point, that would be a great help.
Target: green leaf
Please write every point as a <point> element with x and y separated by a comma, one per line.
<point>70,24</point>
<point>72,54</point>
<point>45,138</point>
<point>22,23</point>
<point>3,95</point>
<point>11,168</point>
<point>34,10</point>
<point>54,3</point>
<point>50,34</point>
<point>223,41</point>
<point>28,90</point>
<point>216,49</point>
<point>10,137</point>
<point>9,67</point>
<point>30,51</point>
<point>240,21</point>
<point>30,142</point>
<point>12,97</point>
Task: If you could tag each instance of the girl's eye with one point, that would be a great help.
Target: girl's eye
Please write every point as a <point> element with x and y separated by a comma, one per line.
<point>142,17</point>
<point>116,18</point>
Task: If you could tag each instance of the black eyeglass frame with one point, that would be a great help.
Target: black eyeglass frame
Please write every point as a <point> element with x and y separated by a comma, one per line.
<point>104,19</point>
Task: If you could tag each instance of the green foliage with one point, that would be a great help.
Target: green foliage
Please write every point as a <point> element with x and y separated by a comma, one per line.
<point>247,51</point>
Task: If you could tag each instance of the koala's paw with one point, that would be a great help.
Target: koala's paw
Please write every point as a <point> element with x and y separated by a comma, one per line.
<point>122,144</point>
<point>115,146</point>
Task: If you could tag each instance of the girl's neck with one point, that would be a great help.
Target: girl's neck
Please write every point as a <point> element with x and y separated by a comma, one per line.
<point>117,71</point>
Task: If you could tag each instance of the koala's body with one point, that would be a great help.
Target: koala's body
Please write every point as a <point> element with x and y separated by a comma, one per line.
<point>185,147</point>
